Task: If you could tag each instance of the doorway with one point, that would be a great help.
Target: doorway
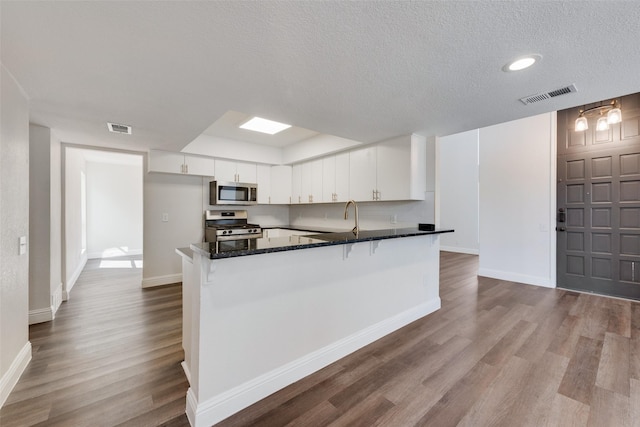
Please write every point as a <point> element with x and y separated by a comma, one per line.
<point>102,209</point>
<point>598,203</point>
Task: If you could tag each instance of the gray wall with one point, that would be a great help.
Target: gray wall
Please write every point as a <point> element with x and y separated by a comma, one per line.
<point>458,191</point>
<point>45,279</point>
<point>15,349</point>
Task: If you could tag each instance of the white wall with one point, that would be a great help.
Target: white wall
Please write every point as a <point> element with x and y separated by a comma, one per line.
<point>317,146</point>
<point>372,215</point>
<point>184,198</point>
<point>15,349</point>
<point>230,149</point>
<point>458,191</point>
<point>75,253</point>
<point>114,208</point>
<point>179,196</point>
<point>517,200</point>
<point>55,238</point>
<point>45,290</point>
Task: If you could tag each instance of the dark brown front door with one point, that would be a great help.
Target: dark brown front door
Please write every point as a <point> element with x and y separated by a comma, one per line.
<point>598,204</point>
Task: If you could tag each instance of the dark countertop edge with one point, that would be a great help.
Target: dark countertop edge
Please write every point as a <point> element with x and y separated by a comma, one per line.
<point>233,254</point>
<point>308,228</point>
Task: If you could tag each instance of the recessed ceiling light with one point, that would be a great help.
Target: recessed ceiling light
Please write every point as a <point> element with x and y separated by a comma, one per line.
<point>521,63</point>
<point>259,124</point>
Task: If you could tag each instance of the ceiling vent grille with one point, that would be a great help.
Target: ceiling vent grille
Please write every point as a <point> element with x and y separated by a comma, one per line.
<point>548,95</point>
<point>116,128</point>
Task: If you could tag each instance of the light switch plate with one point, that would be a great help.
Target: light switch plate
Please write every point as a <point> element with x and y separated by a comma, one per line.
<point>165,217</point>
<point>22,245</point>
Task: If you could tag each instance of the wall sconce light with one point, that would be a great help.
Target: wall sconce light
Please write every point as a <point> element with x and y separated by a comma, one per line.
<point>581,122</point>
<point>614,115</point>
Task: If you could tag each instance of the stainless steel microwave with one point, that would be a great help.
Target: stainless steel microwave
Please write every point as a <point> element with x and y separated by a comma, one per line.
<point>232,193</point>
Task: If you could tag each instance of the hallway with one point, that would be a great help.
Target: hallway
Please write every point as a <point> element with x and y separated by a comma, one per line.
<point>111,356</point>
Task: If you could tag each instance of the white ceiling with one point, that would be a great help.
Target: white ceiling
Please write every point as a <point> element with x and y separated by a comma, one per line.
<point>228,126</point>
<point>365,70</point>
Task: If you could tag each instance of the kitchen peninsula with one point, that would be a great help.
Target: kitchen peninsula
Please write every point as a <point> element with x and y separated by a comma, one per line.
<point>259,318</point>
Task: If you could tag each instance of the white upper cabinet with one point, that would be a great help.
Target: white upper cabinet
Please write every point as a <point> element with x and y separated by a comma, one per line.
<point>329,179</point>
<point>296,184</point>
<point>280,185</point>
<point>395,169</point>
<point>362,174</point>
<point>169,162</point>
<point>196,165</point>
<point>274,185</point>
<point>335,178</point>
<point>390,170</point>
<point>311,181</point>
<point>263,175</point>
<point>229,170</point>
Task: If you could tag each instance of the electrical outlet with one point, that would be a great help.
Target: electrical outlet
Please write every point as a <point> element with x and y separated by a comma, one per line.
<point>165,217</point>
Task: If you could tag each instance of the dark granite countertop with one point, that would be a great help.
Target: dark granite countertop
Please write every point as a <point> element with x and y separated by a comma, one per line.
<point>309,228</point>
<point>245,247</point>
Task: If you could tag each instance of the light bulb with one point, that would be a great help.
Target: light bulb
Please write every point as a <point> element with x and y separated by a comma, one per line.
<point>581,124</point>
<point>614,116</point>
<point>602,124</point>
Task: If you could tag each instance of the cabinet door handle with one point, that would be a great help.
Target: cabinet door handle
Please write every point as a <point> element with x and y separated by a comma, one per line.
<point>269,199</point>
<point>299,199</point>
<point>378,197</point>
<point>186,168</point>
<point>374,194</point>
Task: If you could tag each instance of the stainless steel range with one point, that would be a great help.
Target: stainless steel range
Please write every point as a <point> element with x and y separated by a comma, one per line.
<point>220,226</point>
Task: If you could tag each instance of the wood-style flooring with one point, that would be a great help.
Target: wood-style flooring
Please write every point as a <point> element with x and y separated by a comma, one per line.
<point>110,357</point>
<point>497,354</point>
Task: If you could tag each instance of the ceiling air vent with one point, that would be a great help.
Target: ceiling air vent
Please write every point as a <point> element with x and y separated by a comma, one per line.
<point>116,128</point>
<point>548,95</point>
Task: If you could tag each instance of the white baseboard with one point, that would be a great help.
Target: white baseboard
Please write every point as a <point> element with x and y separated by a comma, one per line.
<point>66,293</point>
<point>469,251</point>
<point>216,409</point>
<point>100,255</point>
<point>56,299</point>
<point>11,377</point>
<point>169,279</point>
<point>186,370</point>
<point>40,315</point>
<point>516,277</point>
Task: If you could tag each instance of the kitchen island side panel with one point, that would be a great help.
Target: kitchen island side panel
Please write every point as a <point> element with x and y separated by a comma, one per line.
<point>268,320</point>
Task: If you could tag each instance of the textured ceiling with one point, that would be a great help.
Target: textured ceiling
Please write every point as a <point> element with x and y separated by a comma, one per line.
<point>365,71</point>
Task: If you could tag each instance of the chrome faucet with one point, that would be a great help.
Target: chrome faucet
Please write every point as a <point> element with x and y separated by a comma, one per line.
<point>356,229</point>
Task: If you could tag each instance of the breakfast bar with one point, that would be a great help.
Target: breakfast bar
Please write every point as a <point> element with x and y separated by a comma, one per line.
<point>259,318</point>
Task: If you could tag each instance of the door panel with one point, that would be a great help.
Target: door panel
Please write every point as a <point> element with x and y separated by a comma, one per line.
<point>598,201</point>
